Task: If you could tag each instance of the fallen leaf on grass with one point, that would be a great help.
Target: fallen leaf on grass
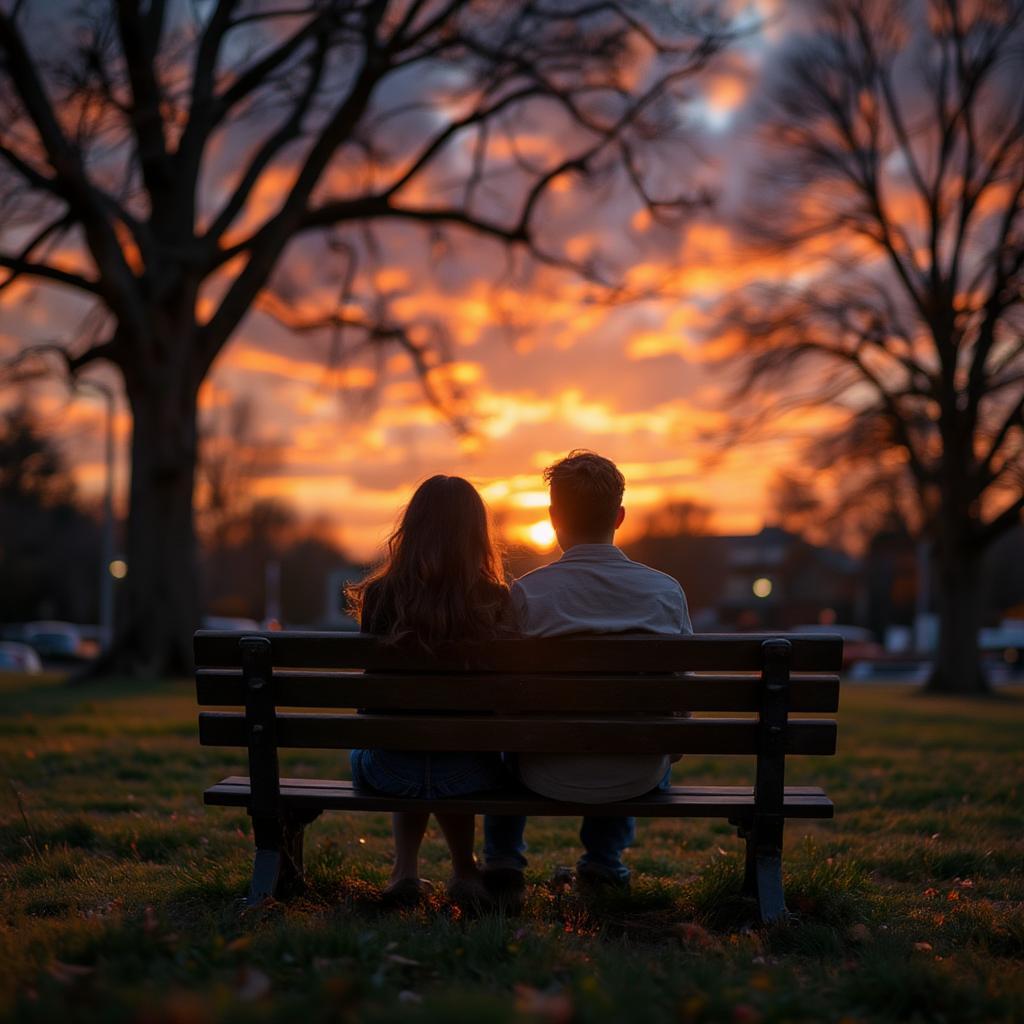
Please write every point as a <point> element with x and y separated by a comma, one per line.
<point>252,984</point>
<point>693,936</point>
<point>923,947</point>
<point>404,961</point>
<point>554,1007</point>
<point>68,974</point>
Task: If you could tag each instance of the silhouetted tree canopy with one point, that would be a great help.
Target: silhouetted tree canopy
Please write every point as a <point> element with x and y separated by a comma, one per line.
<point>160,158</point>
<point>892,188</point>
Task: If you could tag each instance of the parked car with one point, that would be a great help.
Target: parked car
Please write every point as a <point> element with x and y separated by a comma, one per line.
<point>1003,648</point>
<point>859,644</point>
<point>18,657</point>
<point>59,641</point>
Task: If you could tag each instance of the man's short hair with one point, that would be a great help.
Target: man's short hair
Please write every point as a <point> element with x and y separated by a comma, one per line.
<point>586,492</point>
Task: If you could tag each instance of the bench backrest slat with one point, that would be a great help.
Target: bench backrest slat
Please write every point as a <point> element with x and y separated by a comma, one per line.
<point>627,653</point>
<point>522,734</point>
<point>539,693</point>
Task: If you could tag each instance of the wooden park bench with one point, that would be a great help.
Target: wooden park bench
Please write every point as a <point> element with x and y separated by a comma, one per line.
<point>594,694</point>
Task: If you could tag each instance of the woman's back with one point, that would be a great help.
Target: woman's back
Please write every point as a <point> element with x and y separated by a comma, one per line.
<point>488,613</point>
<point>442,580</point>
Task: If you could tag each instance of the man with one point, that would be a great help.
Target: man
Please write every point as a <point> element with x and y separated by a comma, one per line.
<point>592,588</point>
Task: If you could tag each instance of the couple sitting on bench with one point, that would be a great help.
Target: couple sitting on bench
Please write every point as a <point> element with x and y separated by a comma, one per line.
<point>443,582</point>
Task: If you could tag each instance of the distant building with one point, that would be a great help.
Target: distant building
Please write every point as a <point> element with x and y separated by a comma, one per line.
<point>775,579</point>
<point>769,580</point>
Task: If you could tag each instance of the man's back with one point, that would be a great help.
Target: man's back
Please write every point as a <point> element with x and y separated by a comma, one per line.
<point>595,588</point>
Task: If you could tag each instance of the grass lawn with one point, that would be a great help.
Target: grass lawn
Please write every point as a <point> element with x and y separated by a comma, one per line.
<point>119,889</point>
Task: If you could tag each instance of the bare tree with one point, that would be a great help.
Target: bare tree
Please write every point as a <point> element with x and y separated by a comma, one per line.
<point>893,170</point>
<point>159,158</point>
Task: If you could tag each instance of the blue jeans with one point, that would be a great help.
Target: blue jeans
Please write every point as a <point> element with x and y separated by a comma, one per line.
<point>604,840</point>
<point>415,774</point>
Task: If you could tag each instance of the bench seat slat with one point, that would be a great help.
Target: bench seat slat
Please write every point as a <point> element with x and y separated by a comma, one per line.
<point>520,733</point>
<point>678,801</point>
<point>607,653</point>
<point>550,692</point>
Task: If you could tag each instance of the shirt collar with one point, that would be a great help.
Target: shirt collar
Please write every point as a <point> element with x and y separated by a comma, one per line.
<point>594,553</point>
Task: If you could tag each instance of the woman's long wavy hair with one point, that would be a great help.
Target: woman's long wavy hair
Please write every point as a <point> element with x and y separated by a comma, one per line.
<point>442,579</point>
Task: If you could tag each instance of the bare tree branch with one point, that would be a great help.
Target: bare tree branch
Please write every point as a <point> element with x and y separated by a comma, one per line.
<point>140,40</point>
<point>21,267</point>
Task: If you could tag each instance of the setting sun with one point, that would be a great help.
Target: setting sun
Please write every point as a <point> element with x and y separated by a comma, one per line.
<point>541,535</point>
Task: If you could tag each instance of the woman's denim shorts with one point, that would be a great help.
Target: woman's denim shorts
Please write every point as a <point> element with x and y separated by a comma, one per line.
<point>415,774</point>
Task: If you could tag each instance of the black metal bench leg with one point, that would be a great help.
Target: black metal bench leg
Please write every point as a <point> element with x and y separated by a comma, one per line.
<point>266,869</point>
<point>278,870</point>
<point>764,845</point>
<point>292,880</point>
<point>763,877</point>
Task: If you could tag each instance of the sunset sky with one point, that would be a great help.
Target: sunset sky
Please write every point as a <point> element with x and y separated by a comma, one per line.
<point>541,367</point>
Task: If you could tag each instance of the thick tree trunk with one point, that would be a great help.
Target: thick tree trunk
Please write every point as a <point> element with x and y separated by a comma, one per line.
<point>160,607</point>
<point>957,666</point>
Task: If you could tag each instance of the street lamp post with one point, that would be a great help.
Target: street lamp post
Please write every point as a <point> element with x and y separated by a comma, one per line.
<point>107,536</point>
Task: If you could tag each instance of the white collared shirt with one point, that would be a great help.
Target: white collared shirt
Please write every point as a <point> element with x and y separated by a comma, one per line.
<point>595,588</point>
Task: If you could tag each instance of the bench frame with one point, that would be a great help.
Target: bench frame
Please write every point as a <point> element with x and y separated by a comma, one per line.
<point>279,823</point>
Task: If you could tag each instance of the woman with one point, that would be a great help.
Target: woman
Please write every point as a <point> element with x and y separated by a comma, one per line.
<point>441,581</point>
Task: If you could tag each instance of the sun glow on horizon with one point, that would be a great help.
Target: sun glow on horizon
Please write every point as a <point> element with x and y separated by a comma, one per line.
<point>541,535</point>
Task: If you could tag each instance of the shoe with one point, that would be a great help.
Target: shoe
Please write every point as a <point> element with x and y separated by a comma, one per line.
<point>506,886</point>
<point>407,893</point>
<point>591,882</point>
<point>469,894</point>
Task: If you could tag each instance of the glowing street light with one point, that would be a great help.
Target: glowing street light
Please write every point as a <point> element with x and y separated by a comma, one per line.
<point>762,586</point>
<point>118,568</point>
